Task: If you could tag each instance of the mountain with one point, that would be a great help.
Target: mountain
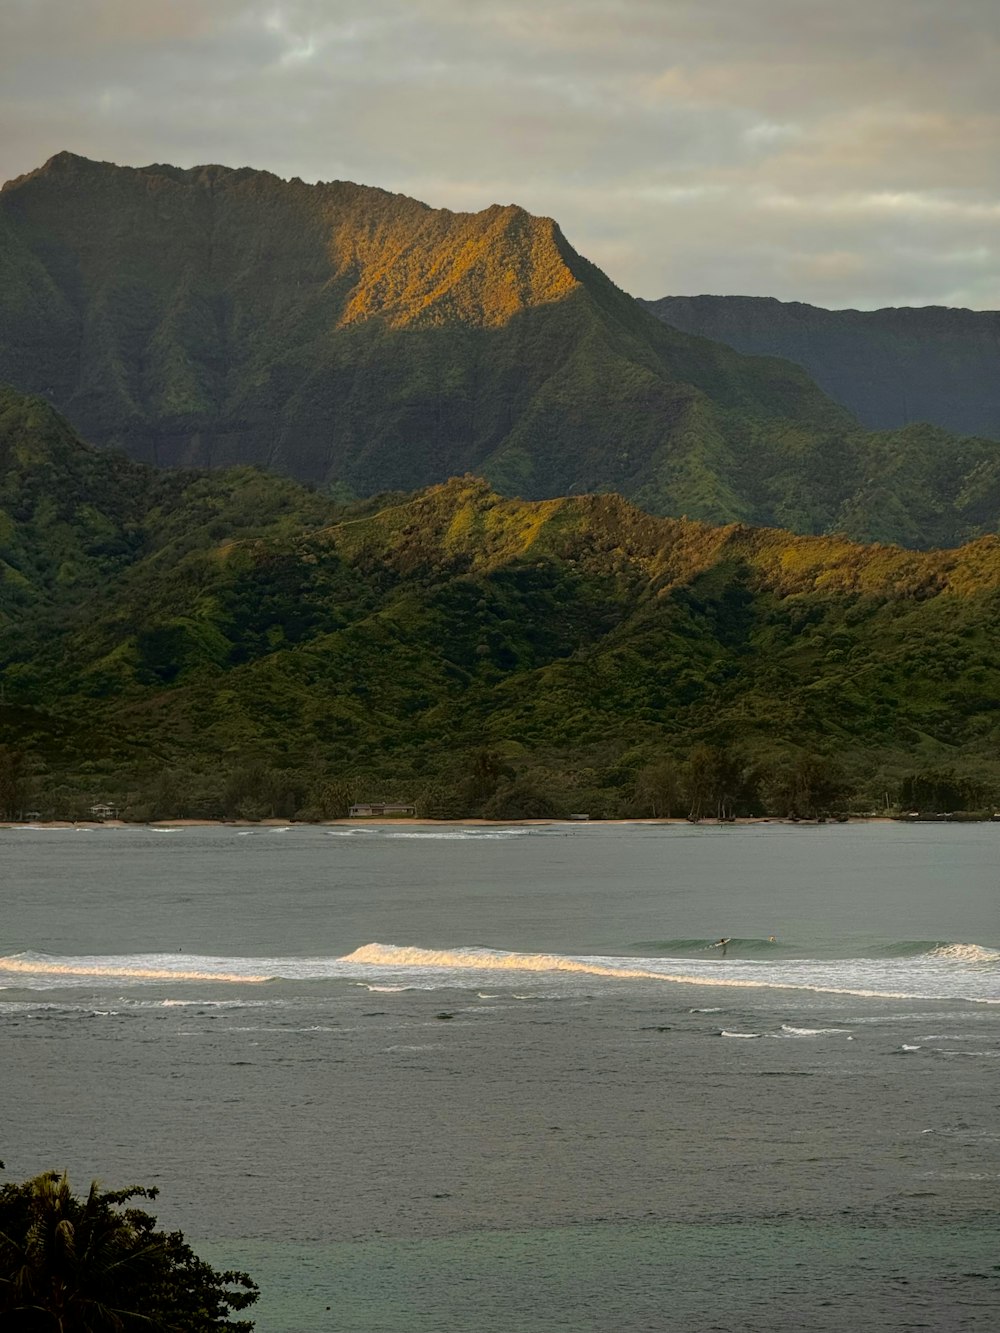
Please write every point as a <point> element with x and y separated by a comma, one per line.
<point>363,341</point>
<point>888,367</point>
<point>232,642</point>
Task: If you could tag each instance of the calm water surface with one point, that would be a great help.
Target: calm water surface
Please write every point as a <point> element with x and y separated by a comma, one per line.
<point>500,1081</point>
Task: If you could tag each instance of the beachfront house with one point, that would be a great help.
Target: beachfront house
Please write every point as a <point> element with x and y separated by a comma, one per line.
<point>366,809</point>
<point>100,811</point>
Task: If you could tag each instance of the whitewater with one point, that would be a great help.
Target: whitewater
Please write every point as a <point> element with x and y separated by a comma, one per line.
<point>901,971</point>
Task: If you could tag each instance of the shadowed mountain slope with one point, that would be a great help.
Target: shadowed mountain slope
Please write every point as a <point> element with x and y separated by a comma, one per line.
<point>889,367</point>
<point>222,620</point>
<point>354,338</point>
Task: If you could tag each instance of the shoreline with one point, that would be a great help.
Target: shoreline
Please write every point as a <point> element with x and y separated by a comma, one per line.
<point>376,822</point>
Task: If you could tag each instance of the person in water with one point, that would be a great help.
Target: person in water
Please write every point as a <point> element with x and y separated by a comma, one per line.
<point>721,944</point>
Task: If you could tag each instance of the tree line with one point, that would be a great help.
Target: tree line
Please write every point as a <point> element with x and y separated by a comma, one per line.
<point>709,781</point>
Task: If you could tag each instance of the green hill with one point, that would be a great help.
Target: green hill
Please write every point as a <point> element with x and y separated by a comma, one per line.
<point>362,341</point>
<point>231,642</point>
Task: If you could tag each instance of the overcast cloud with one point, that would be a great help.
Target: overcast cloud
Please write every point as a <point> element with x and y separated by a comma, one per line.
<point>843,152</point>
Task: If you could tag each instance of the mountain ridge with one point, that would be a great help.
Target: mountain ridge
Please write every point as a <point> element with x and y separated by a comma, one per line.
<point>890,367</point>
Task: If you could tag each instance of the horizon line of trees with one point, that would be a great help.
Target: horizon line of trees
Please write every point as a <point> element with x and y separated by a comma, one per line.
<point>707,782</point>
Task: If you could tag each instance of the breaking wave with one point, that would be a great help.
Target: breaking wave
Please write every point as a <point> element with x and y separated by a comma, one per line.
<point>39,970</point>
<point>931,975</point>
<point>967,953</point>
<point>953,971</point>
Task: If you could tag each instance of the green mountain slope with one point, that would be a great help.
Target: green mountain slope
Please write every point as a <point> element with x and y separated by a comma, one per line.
<point>889,367</point>
<point>239,643</point>
<point>346,336</point>
<point>72,516</point>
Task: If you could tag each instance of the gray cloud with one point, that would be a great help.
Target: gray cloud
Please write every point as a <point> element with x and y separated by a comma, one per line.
<point>842,153</point>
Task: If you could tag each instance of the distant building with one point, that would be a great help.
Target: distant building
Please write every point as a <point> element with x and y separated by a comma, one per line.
<point>367,809</point>
<point>101,811</point>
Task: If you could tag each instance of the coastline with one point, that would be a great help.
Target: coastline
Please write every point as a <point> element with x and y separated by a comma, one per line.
<point>374,822</point>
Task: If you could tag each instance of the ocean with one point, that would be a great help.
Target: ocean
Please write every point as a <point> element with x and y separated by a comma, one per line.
<point>505,1080</point>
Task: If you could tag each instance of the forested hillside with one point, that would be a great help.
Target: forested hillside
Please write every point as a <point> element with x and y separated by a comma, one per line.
<point>231,643</point>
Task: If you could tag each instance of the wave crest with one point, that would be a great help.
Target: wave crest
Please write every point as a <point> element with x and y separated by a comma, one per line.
<point>966,953</point>
<point>494,960</point>
<point>156,968</point>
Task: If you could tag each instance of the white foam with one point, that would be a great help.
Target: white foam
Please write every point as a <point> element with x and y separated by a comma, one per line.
<point>436,834</point>
<point>38,970</point>
<point>875,979</point>
<point>455,835</point>
<point>37,1006</point>
<point>46,828</point>
<point>967,953</point>
<point>744,1036</point>
<point>788,1031</point>
<point>914,978</point>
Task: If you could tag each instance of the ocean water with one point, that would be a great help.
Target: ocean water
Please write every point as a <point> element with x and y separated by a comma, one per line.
<point>503,1080</point>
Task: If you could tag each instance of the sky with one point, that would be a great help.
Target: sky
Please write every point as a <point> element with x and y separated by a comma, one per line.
<point>840,152</point>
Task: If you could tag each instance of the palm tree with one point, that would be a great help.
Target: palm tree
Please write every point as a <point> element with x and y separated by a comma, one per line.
<point>90,1266</point>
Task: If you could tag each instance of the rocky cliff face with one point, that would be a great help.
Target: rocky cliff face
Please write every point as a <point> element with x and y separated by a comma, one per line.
<point>889,367</point>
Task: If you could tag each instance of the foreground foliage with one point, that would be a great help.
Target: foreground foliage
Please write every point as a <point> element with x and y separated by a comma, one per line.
<point>99,1265</point>
<point>233,645</point>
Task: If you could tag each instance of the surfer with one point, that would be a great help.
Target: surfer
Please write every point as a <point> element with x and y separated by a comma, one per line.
<point>721,944</point>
